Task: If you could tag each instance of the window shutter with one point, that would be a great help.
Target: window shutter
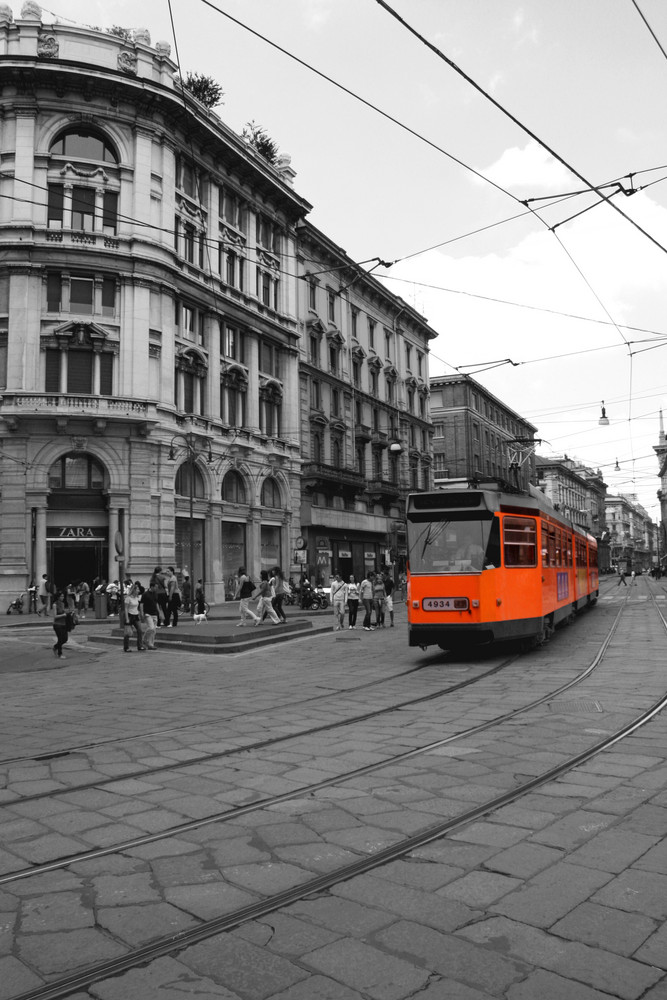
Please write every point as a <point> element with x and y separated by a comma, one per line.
<point>52,383</point>
<point>80,372</point>
<point>106,374</point>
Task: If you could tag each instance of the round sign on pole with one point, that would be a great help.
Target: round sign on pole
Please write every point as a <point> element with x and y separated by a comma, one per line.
<point>118,542</point>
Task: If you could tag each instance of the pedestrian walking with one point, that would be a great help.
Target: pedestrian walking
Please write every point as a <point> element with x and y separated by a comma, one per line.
<point>32,597</point>
<point>245,588</point>
<point>280,591</point>
<point>366,595</point>
<point>43,594</point>
<point>338,599</point>
<point>379,596</point>
<point>60,626</point>
<point>148,612</point>
<point>389,599</point>
<point>621,578</point>
<point>173,597</point>
<point>82,598</point>
<point>200,598</point>
<point>634,578</point>
<point>352,602</point>
<point>132,618</point>
<point>159,578</point>
<point>264,602</point>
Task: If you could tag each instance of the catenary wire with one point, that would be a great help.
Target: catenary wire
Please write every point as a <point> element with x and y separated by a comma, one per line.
<point>508,114</point>
<point>648,26</point>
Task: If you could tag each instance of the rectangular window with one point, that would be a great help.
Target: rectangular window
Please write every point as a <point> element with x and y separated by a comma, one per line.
<point>420,363</point>
<point>387,344</point>
<point>108,296</point>
<point>314,350</point>
<point>354,316</point>
<point>408,356</point>
<point>189,242</point>
<point>188,392</point>
<point>371,333</point>
<point>335,403</point>
<point>270,361</point>
<point>356,374</point>
<point>81,295</point>
<point>331,306</point>
<point>55,206</point>
<point>80,372</point>
<point>333,359</point>
<point>106,374</point>
<point>52,383</point>
<point>520,541</point>
<point>312,295</point>
<point>53,292</point>
<point>231,342</point>
<point>83,209</point>
<point>110,213</point>
<point>267,234</point>
<point>315,395</point>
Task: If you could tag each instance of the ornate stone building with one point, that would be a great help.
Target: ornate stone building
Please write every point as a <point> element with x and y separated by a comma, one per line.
<point>364,413</point>
<point>149,338</point>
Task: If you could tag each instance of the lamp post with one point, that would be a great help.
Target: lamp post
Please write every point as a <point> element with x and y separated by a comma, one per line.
<point>194,446</point>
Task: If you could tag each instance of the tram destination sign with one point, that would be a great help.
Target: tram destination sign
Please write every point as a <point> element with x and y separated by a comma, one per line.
<point>77,533</point>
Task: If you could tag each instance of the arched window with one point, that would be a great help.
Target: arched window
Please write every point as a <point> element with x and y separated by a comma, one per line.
<point>270,493</point>
<point>185,477</point>
<point>77,481</point>
<point>336,453</point>
<point>190,382</point>
<point>92,205</point>
<point>233,488</point>
<point>84,144</point>
<point>76,471</point>
<point>316,447</point>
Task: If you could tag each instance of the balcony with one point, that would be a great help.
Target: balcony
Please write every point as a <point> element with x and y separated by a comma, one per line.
<point>383,490</point>
<point>362,433</point>
<point>71,413</point>
<point>380,439</point>
<point>316,477</point>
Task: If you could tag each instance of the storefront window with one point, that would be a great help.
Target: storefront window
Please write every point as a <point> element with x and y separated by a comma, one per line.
<point>233,554</point>
<point>270,546</point>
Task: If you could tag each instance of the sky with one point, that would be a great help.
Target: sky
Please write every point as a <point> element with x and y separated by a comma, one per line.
<point>552,310</point>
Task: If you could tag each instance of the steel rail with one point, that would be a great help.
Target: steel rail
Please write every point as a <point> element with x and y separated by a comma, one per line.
<point>259,745</point>
<point>231,814</point>
<point>254,911</point>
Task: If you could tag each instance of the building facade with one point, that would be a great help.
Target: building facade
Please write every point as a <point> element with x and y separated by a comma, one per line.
<point>149,333</point>
<point>632,535</point>
<point>364,414</point>
<point>476,436</point>
<point>580,493</point>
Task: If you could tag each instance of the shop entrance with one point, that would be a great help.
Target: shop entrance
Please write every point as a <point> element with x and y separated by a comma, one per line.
<point>71,562</point>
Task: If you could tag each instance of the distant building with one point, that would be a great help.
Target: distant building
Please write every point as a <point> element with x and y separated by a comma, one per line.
<point>364,413</point>
<point>579,493</point>
<point>475,435</point>
<point>632,534</point>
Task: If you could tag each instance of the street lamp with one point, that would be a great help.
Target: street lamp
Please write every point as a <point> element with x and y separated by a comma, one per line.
<point>194,446</point>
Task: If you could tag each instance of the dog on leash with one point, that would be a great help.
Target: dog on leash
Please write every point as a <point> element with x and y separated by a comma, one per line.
<point>198,619</point>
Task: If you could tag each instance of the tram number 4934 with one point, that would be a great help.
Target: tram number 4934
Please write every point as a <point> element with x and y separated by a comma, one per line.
<point>445,604</point>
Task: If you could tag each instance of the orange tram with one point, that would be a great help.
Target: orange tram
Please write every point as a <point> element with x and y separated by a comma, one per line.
<point>488,563</point>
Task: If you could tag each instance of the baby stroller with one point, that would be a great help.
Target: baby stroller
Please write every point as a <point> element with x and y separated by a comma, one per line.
<point>17,604</point>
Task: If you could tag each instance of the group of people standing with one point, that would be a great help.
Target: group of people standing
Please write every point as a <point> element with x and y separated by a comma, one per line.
<point>269,592</point>
<point>375,593</point>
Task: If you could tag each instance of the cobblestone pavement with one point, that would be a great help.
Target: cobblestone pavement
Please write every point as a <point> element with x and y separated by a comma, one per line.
<point>558,896</point>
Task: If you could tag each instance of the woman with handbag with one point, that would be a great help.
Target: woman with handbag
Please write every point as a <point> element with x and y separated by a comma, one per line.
<point>60,626</point>
<point>132,616</point>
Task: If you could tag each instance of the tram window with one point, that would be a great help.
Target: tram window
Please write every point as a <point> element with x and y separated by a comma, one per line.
<point>568,548</point>
<point>520,541</point>
<point>545,545</point>
<point>552,545</point>
<point>559,547</point>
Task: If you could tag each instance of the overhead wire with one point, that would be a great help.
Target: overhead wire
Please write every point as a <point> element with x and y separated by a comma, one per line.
<point>508,114</point>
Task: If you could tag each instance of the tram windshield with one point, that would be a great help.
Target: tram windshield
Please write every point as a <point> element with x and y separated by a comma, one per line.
<point>454,545</point>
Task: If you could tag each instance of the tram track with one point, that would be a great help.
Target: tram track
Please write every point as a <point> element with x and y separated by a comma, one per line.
<point>175,943</point>
<point>237,812</point>
<point>258,744</point>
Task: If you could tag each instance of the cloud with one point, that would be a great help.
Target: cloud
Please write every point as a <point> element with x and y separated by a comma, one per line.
<point>529,169</point>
